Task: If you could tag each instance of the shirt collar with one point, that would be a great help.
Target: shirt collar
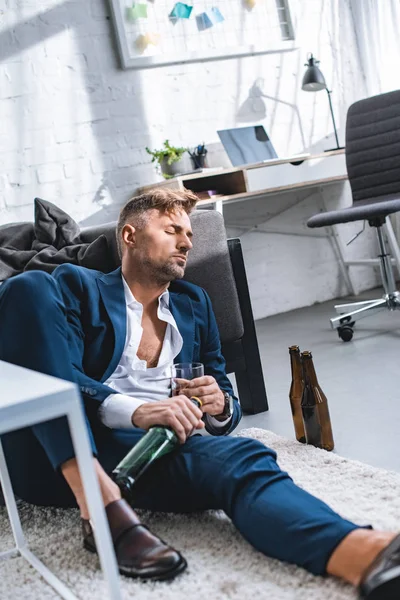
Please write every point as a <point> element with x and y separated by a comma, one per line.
<point>163,299</point>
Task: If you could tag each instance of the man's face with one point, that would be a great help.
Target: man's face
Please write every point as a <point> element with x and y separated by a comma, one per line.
<point>162,246</point>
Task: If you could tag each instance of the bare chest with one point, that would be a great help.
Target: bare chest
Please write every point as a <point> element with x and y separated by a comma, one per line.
<point>151,341</point>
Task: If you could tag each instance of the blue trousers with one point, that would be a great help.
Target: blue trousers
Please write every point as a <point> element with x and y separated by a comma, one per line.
<point>238,475</point>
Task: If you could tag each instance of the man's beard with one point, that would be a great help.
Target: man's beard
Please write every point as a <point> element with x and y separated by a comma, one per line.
<point>165,273</point>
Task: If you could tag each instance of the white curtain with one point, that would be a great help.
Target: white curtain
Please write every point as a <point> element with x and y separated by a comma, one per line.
<point>377,27</point>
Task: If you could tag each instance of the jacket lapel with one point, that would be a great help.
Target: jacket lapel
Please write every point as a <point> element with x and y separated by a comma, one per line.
<point>112,293</point>
<point>182,311</point>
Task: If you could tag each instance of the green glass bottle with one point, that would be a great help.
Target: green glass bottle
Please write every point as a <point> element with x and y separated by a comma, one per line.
<point>157,442</point>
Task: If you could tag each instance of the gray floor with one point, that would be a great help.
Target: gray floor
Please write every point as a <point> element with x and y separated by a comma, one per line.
<point>360,379</point>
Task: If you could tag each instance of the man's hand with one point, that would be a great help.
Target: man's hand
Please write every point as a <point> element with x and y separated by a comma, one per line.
<point>177,413</point>
<point>207,389</point>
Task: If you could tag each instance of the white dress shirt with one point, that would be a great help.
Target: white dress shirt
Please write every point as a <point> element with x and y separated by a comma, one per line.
<point>133,382</point>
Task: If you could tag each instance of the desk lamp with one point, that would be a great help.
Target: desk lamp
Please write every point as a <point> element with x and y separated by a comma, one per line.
<point>314,81</point>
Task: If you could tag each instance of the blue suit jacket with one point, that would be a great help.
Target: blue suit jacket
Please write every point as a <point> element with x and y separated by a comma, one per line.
<point>96,313</point>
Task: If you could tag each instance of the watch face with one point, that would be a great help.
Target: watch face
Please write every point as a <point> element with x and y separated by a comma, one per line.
<point>228,409</point>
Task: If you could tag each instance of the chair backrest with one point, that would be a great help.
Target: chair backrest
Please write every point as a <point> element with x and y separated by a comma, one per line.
<point>373,148</point>
<point>209,266</point>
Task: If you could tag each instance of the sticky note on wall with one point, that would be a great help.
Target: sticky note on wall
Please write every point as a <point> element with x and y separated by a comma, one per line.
<point>153,38</point>
<point>137,11</point>
<point>181,11</point>
<point>144,40</point>
<point>203,21</point>
<point>209,18</point>
<point>215,15</point>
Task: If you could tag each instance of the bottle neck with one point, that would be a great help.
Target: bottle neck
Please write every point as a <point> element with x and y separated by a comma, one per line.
<point>309,370</point>
<point>295,363</point>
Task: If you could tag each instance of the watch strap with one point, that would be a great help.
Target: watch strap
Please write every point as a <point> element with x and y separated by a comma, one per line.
<point>227,412</point>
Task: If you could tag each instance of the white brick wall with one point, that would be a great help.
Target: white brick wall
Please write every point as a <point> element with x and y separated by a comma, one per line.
<point>71,121</point>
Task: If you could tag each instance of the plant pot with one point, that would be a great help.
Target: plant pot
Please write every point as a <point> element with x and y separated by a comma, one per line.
<point>175,168</point>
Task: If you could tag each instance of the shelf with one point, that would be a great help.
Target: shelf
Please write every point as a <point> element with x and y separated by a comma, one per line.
<point>223,184</point>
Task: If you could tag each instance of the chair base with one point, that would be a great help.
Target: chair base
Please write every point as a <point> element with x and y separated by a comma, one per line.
<point>350,313</point>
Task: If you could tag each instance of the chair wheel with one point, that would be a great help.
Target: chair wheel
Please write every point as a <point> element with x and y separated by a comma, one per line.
<point>345,332</point>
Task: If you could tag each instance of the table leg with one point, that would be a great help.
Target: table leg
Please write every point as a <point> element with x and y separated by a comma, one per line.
<point>11,505</point>
<point>102,534</point>
<point>22,547</point>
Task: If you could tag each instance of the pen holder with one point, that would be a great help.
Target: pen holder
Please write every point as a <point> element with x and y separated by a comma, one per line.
<point>198,160</point>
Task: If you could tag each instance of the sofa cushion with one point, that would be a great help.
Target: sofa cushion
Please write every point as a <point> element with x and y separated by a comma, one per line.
<point>53,226</point>
<point>17,235</point>
<point>54,238</point>
<point>89,234</point>
<point>15,248</point>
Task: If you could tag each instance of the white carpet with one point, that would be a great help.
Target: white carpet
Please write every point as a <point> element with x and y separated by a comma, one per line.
<point>221,564</point>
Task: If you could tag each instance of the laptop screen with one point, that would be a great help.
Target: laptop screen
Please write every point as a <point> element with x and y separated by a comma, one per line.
<point>246,145</point>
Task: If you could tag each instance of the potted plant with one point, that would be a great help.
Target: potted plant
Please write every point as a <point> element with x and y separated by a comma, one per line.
<point>169,159</point>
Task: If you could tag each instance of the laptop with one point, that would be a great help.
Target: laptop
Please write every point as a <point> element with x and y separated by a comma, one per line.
<point>246,145</point>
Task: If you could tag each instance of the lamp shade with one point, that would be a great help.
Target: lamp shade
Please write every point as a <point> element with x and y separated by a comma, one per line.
<point>313,80</point>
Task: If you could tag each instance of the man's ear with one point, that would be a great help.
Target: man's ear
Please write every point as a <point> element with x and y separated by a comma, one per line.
<point>129,235</point>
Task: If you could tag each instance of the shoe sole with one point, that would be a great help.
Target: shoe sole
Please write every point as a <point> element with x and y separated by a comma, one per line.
<point>389,590</point>
<point>168,575</point>
<point>179,568</point>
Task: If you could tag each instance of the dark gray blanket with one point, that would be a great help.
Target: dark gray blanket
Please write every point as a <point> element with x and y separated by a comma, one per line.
<point>54,238</point>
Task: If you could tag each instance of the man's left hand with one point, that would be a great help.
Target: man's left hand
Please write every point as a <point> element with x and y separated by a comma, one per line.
<point>207,389</point>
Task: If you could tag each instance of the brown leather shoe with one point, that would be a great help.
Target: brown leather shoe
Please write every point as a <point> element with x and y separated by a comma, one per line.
<point>139,553</point>
<point>381,581</point>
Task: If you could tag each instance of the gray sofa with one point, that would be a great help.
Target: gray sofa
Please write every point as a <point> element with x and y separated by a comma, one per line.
<point>214,263</point>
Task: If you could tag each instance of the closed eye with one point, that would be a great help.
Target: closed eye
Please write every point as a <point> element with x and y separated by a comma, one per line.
<point>178,229</point>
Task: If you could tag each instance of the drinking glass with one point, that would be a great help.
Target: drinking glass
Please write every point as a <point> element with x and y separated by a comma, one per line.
<point>182,372</point>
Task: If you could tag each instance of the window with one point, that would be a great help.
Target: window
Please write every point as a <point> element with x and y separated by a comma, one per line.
<point>285,21</point>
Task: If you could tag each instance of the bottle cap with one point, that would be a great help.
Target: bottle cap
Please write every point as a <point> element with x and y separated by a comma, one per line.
<point>294,348</point>
<point>306,354</point>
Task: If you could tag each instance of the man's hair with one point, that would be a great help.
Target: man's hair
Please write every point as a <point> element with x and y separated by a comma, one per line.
<point>135,211</point>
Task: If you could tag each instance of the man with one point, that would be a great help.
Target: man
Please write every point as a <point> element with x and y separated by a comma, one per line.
<point>117,336</point>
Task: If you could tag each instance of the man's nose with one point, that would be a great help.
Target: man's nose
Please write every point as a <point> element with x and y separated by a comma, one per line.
<point>186,244</point>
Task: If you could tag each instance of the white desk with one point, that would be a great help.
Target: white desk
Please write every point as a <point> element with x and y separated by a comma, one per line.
<point>265,180</point>
<point>26,398</point>
<point>262,179</point>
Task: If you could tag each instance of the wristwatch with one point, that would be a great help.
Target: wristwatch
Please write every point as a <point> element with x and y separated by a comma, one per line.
<point>228,406</point>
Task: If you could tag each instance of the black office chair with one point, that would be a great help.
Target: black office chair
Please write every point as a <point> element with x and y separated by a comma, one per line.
<point>217,265</point>
<point>373,167</point>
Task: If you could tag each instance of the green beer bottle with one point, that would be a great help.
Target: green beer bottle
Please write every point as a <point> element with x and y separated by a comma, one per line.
<point>157,442</point>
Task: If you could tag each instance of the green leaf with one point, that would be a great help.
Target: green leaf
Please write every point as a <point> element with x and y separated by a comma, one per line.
<point>170,153</point>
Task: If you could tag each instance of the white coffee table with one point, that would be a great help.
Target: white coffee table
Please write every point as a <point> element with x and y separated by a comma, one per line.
<point>27,398</point>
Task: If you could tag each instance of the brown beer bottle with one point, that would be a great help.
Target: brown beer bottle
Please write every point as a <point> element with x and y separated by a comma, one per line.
<point>314,406</point>
<point>296,393</point>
